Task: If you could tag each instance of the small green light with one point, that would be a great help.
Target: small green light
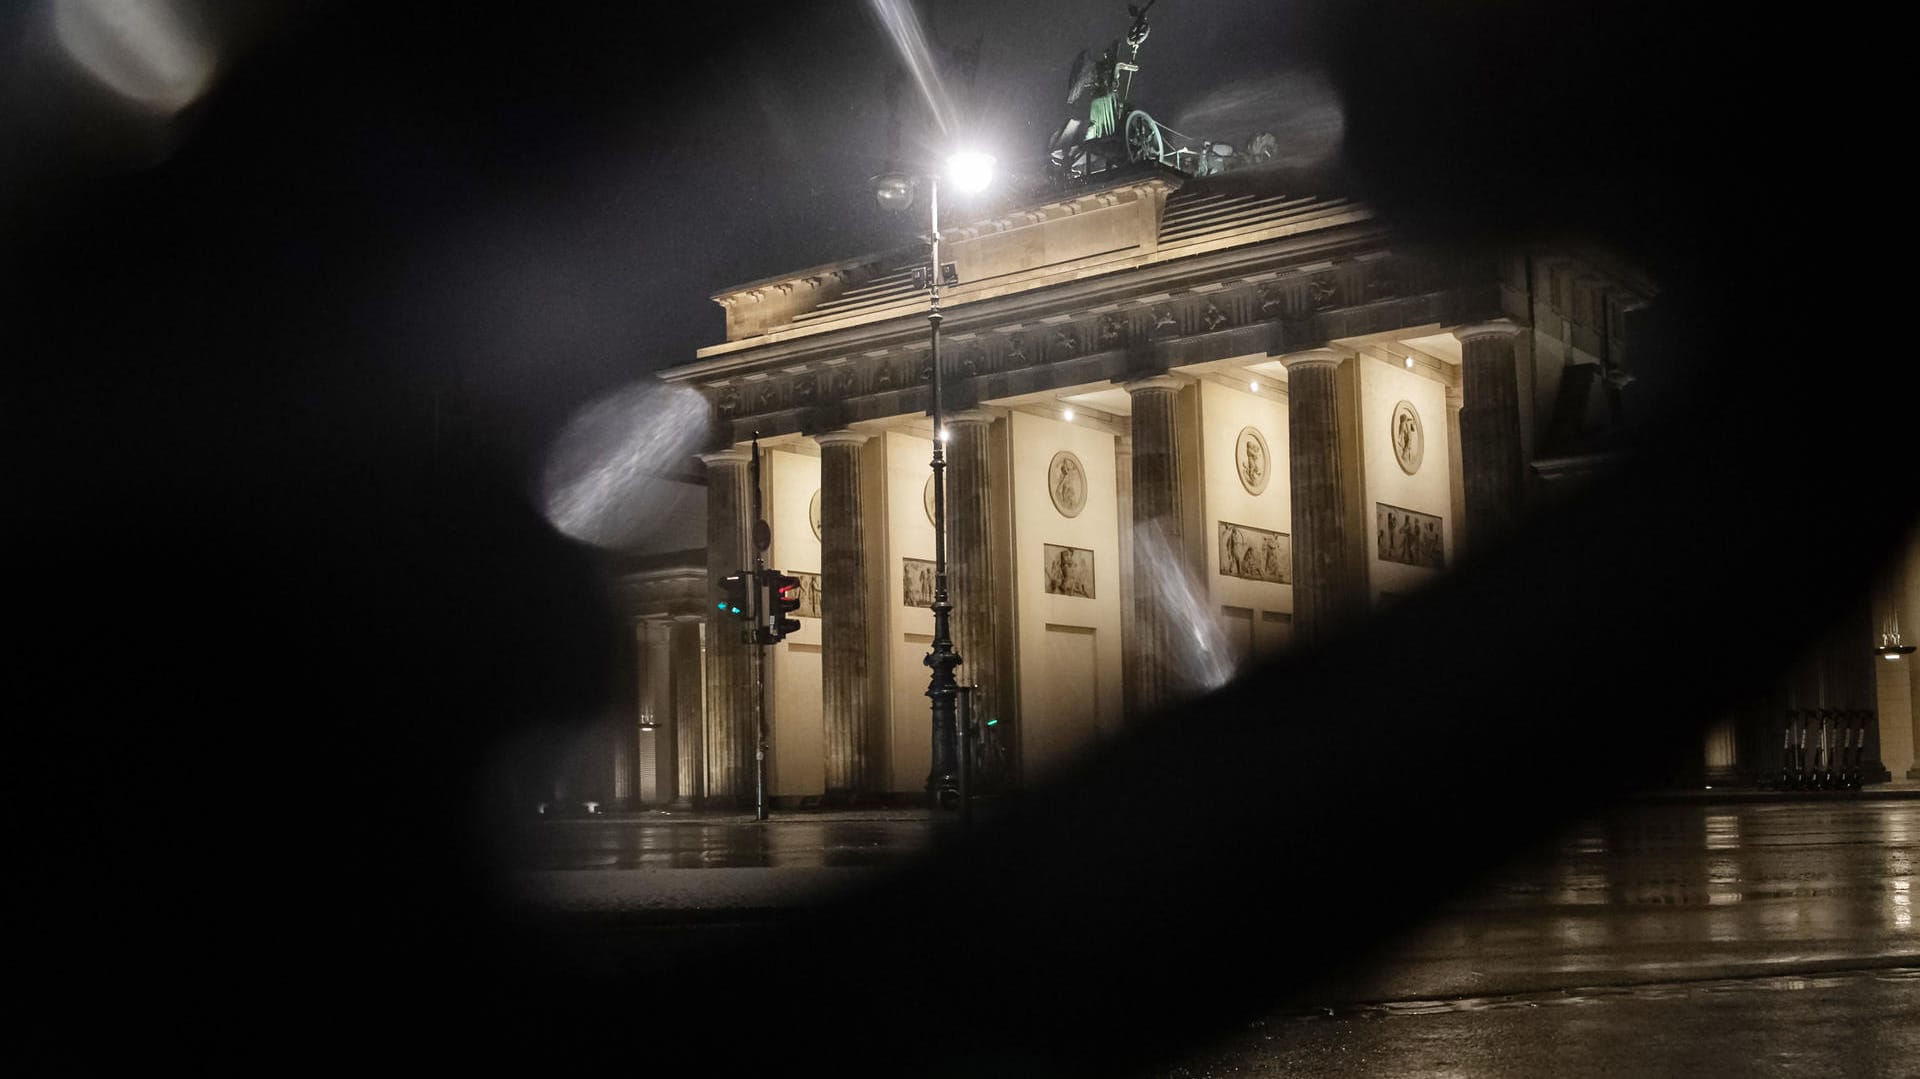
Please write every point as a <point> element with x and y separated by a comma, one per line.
<point>720,606</point>
<point>992,722</point>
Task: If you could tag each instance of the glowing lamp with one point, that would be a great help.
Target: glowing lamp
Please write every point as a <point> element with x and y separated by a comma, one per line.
<point>970,171</point>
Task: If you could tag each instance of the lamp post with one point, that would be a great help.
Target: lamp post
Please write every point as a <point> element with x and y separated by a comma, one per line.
<point>970,172</point>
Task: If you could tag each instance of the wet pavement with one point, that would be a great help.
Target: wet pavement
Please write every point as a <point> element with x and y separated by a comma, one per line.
<point>1669,892</point>
<point>1860,1023</point>
<point>657,842</point>
<point>1669,937</point>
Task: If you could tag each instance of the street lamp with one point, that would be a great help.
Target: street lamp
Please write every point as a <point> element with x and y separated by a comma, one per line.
<point>970,172</point>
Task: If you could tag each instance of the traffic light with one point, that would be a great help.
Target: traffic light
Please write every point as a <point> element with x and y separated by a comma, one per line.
<point>733,597</point>
<point>785,592</point>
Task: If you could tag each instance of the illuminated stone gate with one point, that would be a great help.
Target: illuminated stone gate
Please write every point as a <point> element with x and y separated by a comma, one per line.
<point>1193,419</point>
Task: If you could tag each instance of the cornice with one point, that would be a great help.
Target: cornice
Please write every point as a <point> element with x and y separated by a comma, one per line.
<point>1314,254</point>
<point>1095,195</point>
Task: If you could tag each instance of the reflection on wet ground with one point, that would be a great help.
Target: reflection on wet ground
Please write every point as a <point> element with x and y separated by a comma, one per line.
<point>1655,892</point>
<point>1659,939</point>
<point>1647,892</point>
<point>784,844</point>
<point>1858,1023</point>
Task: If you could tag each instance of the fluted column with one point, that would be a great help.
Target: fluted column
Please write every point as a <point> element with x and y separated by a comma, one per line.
<point>659,710</point>
<point>1325,583</point>
<point>631,782</point>
<point>1123,492</point>
<point>689,711</point>
<point>1456,477</point>
<point>1855,685</point>
<point>970,568</point>
<point>846,613</point>
<point>730,703</point>
<point>1489,428</point>
<point>1159,544</point>
<point>1908,601</point>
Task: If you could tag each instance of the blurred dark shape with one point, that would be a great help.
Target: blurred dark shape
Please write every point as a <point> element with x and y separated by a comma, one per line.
<point>253,571</point>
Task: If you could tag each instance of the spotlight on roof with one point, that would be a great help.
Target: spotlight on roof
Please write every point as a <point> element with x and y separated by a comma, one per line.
<point>894,190</point>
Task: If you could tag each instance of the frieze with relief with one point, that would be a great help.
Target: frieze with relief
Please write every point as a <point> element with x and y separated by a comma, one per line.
<point>1324,290</point>
<point>1290,296</point>
<point>842,383</point>
<point>1214,317</point>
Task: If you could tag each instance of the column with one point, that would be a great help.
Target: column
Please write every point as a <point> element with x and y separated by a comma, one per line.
<point>730,704</point>
<point>1907,601</point>
<point>1490,462</point>
<point>1123,491</point>
<point>660,712</point>
<point>630,783</point>
<point>970,569</point>
<point>1159,544</point>
<point>689,709</point>
<point>1456,482</point>
<point>846,613</point>
<point>1325,583</point>
<point>1855,687</point>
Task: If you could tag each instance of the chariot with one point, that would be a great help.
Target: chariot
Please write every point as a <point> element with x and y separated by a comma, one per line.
<point>1113,132</point>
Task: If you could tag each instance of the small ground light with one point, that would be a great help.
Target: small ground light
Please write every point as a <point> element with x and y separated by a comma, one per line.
<point>1409,363</point>
<point>1253,387</point>
<point>1067,415</point>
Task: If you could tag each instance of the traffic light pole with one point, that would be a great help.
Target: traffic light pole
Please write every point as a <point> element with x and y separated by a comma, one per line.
<point>967,696</point>
<point>758,605</point>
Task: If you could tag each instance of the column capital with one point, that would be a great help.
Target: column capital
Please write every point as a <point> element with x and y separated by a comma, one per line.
<point>1500,327</point>
<point>1314,357</point>
<point>972,415</point>
<point>843,437</point>
<point>1154,382</point>
<point>728,456</point>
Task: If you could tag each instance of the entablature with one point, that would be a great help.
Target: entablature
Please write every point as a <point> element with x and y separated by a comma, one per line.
<point>1125,225</point>
<point>1281,297</point>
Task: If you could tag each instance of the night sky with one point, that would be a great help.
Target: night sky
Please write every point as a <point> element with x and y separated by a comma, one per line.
<point>537,209</point>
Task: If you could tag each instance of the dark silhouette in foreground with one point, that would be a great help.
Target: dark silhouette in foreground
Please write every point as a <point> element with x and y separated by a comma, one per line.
<point>278,633</point>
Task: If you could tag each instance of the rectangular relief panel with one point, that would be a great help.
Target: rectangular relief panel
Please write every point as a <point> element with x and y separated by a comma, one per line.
<point>1255,554</point>
<point>1069,571</point>
<point>1408,536</point>
<point>916,582</point>
<point>809,595</point>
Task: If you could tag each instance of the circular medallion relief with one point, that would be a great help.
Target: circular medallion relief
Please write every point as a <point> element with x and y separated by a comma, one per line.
<point>1067,483</point>
<point>813,513</point>
<point>1252,461</point>
<point>1409,441</point>
<point>926,496</point>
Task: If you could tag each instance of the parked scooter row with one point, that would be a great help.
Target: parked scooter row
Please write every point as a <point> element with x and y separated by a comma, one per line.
<point>1821,748</point>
